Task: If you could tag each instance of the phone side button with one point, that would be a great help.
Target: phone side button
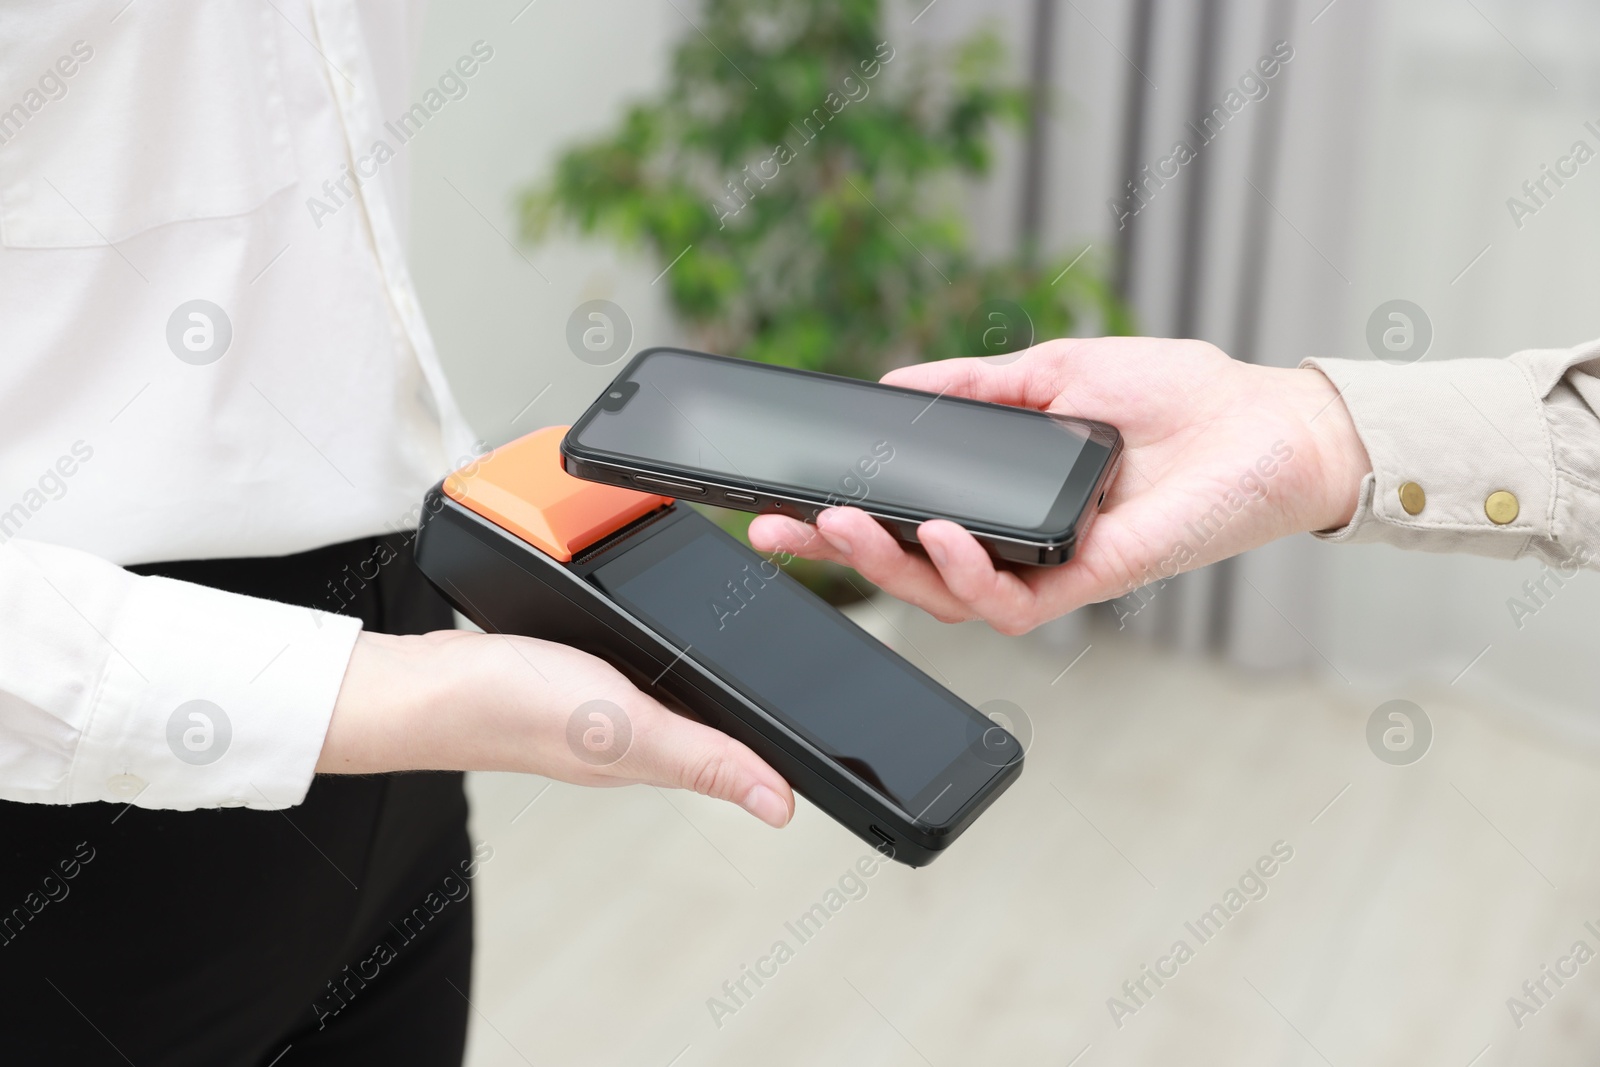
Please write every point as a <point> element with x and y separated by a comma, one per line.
<point>738,498</point>
<point>674,488</point>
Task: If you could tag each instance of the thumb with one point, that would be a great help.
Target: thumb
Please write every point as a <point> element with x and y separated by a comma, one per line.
<point>684,754</point>
<point>1020,381</point>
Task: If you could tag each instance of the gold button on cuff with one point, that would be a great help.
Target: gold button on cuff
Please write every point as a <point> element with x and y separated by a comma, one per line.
<point>1501,507</point>
<point>1412,498</point>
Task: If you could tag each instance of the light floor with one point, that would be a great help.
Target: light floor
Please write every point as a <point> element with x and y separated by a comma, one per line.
<point>1414,905</point>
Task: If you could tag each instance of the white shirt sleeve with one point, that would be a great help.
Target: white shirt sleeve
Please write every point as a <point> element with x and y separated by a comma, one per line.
<point>155,692</point>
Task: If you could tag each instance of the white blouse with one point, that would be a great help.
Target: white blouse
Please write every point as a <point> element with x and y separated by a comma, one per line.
<point>209,347</point>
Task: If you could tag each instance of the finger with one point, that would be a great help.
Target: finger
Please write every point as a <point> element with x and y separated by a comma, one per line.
<point>850,537</point>
<point>777,534</point>
<point>671,750</point>
<point>1101,569</point>
<point>1031,380</point>
<point>860,541</point>
<point>998,596</point>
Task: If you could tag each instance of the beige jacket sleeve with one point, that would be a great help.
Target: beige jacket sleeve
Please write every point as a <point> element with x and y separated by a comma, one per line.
<point>1463,431</point>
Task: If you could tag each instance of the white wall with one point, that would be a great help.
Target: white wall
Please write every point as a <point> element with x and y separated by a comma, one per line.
<point>560,73</point>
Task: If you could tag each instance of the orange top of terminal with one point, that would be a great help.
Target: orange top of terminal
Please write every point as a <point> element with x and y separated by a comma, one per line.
<point>521,488</point>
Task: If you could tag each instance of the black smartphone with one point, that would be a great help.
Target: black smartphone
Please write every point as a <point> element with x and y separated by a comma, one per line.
<point>692,616</point>
<point>758,437</point>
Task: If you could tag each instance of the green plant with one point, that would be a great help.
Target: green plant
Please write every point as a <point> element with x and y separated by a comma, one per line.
<point>802,175</point>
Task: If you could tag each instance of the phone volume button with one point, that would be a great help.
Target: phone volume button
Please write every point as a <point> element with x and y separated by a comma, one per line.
<point>675,488</point>
<point>738,498</point>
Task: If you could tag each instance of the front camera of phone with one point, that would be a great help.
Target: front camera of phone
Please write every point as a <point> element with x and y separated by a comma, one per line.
<point>619,394</point>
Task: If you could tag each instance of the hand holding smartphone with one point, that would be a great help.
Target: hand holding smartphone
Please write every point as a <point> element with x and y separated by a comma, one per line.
<point>759,438</point>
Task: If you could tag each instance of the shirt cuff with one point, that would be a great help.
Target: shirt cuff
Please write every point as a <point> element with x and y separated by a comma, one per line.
<point>211,699</point>
<point>1462,459</point>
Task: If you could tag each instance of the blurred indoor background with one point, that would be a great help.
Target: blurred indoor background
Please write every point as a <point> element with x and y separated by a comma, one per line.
<point>1174,747</point>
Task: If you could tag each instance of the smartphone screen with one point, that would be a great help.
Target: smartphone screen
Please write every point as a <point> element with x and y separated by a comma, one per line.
<point>848,442</point>
<point>824,677</point>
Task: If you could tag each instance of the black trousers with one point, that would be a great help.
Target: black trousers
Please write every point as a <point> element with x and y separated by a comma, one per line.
<point>335,932</point>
